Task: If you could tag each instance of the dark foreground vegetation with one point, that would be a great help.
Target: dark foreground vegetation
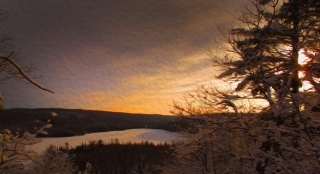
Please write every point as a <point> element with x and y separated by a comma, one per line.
<point>115,158</point>
<point>73,122</point>
<point>262,56</point>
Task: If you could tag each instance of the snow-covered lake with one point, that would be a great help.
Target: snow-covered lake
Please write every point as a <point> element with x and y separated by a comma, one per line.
<point>131,135</point>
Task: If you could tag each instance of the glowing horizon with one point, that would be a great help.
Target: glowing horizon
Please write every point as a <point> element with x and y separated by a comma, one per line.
<point>128,56</point>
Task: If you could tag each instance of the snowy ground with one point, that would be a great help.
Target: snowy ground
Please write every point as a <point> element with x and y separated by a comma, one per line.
<point>131,135</point>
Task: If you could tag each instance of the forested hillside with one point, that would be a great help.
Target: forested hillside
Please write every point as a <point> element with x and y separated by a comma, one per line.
<point>78,122</point>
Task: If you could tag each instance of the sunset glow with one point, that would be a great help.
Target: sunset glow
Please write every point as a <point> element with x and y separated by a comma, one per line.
<point>123,56</point>
<point>303,59</point>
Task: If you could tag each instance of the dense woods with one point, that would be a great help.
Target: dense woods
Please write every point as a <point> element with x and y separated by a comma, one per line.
<point>73,122</point>
<point>115,158</point>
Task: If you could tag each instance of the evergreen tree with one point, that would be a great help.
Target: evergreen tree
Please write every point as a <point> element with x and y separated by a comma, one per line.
<point>263,58</point>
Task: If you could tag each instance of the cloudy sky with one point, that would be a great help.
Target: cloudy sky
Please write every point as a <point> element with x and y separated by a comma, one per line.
<point>116,55</point>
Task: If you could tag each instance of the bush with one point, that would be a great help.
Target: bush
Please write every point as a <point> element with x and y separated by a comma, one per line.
<point>53,162</point>
<point>16,157</point>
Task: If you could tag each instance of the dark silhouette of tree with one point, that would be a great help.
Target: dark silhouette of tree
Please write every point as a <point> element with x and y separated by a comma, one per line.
<point>13,150</point>
<point>9,66</point>
<point>263,59</point>
<point>116,158</point>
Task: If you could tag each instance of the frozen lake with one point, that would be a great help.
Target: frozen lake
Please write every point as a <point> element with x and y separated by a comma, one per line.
<point>132,135</point>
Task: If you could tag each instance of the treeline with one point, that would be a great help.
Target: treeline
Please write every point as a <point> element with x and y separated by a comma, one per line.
<point>115,158</point>
<point>73,122</point>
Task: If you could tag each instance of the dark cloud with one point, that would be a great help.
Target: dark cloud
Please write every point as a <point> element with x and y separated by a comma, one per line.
<point>84,46</point>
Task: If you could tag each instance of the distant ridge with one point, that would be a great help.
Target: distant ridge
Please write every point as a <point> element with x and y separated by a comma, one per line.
<point>61,109</point>
<point>71,122</point>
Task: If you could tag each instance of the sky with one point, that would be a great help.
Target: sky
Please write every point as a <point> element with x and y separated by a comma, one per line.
<point>117,55</point>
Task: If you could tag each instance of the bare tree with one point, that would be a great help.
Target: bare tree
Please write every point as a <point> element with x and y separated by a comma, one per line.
<point>225,133</point>
<point>53,161</point>
<point>9,64</point>
<point>14,150</point>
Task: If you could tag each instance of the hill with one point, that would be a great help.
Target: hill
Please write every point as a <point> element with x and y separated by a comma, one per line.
<point>71,122</point>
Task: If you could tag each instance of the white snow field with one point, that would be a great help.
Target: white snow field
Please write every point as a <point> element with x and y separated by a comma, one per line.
<point>132,135</point>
